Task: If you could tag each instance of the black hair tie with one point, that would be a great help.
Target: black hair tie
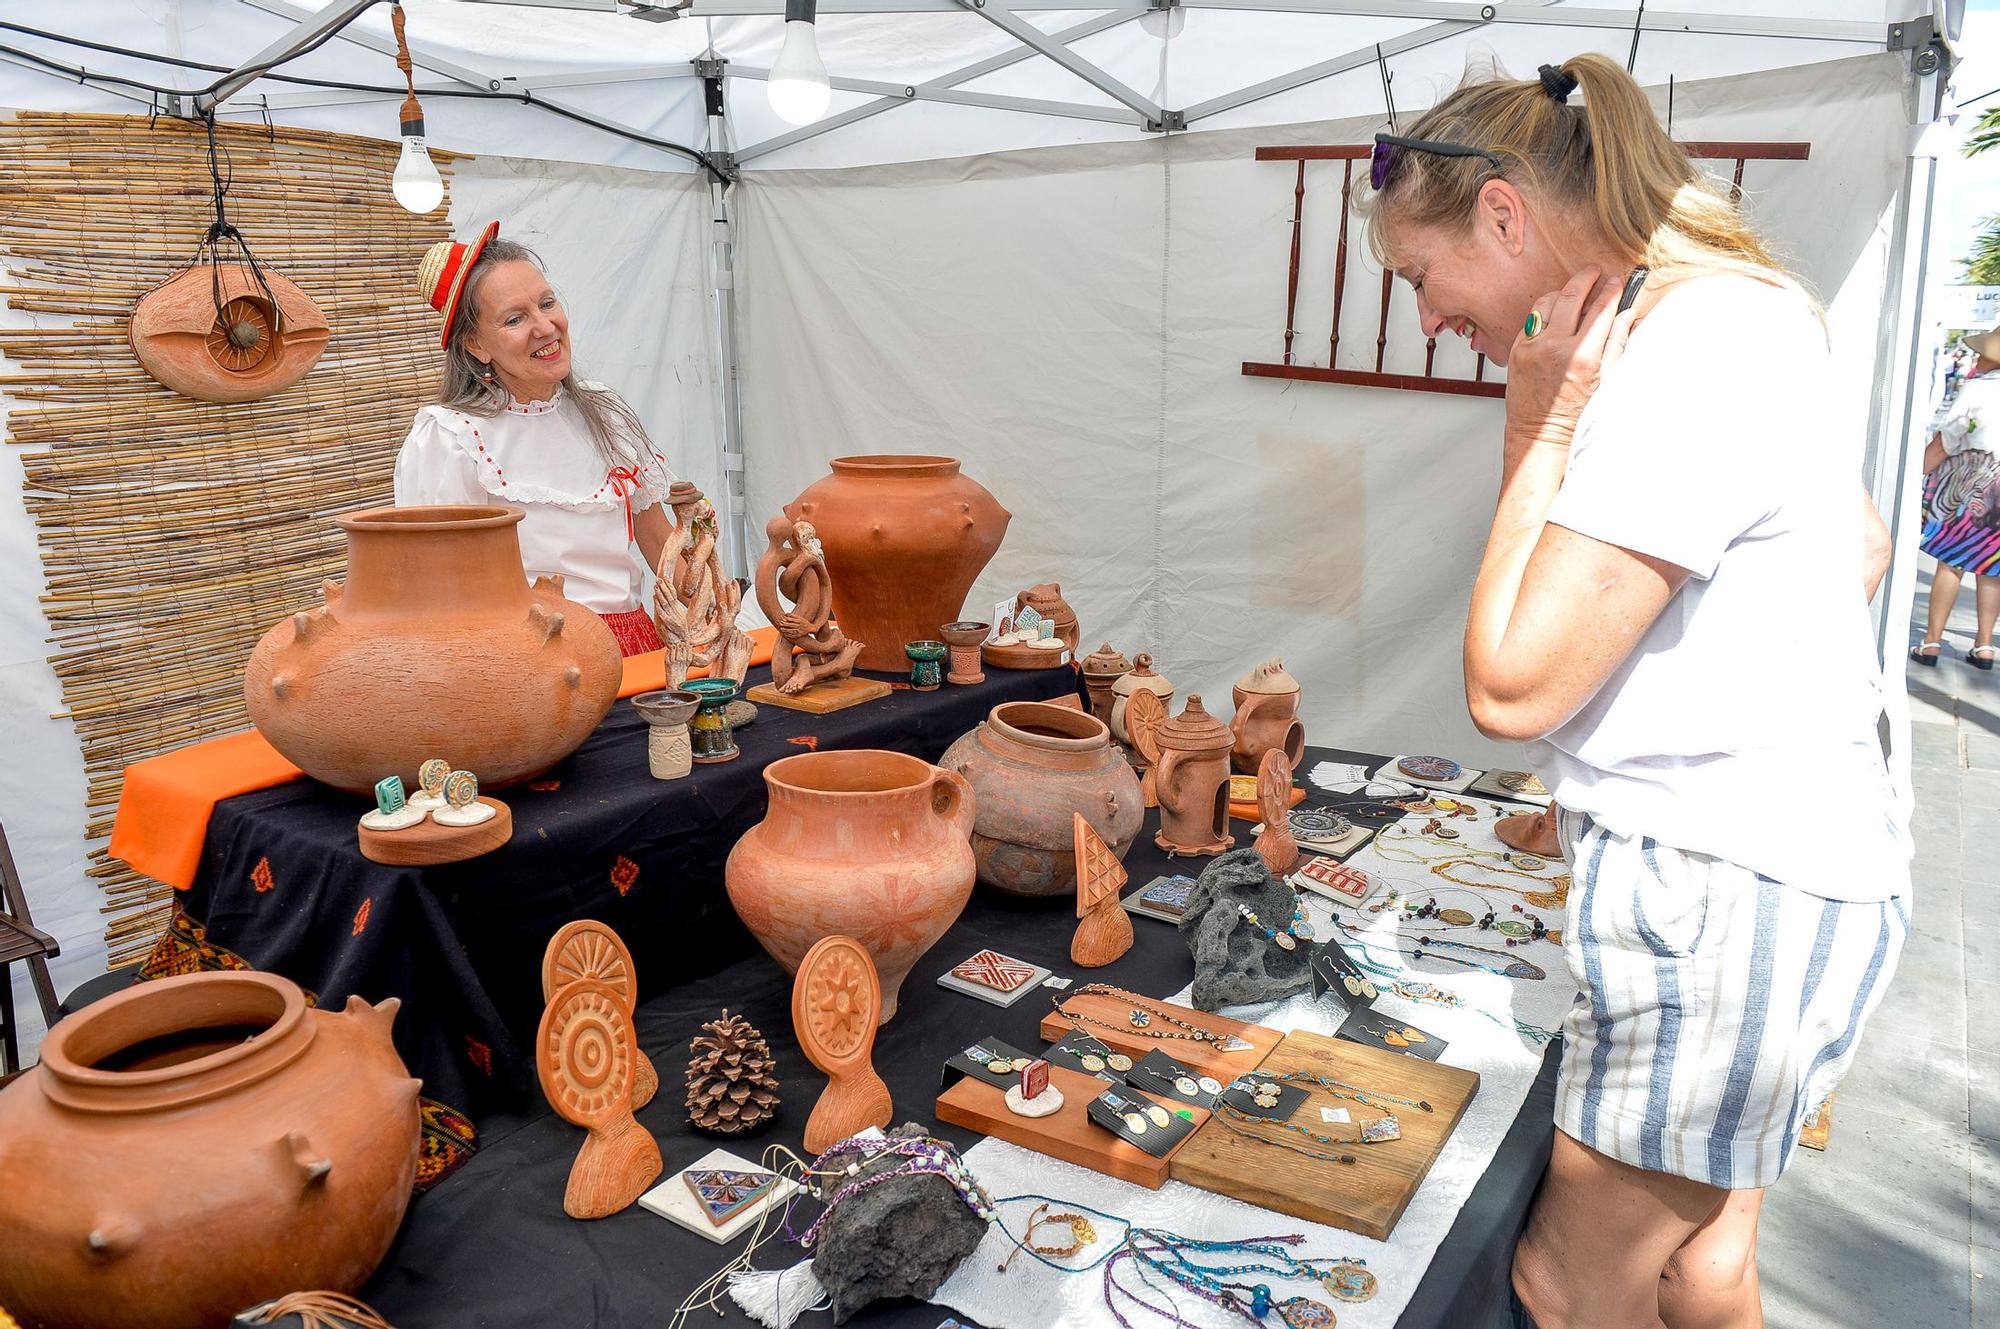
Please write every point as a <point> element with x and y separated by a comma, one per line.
<point>1557,84</point>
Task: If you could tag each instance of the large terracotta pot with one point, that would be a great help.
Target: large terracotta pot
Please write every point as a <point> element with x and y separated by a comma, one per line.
<point>193,1146</point>
<point>865,844</point>
<point>436,646</point>
<point>1032,766</point>
<point>905,537</point>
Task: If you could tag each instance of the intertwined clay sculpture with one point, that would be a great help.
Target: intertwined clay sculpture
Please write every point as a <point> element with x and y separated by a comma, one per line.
<point>694,600</point>
<point>793,568</point>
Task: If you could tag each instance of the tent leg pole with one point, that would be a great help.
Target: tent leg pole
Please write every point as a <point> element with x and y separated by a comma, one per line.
<point>722,271</point>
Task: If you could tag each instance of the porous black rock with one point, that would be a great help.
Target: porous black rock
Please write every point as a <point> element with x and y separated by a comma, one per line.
<point>1234,963</point>
<point>901,1238</point>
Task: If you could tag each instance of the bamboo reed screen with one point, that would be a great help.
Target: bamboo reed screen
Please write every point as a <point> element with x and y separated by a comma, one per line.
<point>174,532</point>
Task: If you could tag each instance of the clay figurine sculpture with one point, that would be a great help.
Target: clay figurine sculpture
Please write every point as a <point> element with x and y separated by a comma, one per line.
<point>1267,717</point>
<point>964,640</point>
<point>1238,961</point>
<point>1104,929</point>
<point>694,601</point>
<point>669,749</point>
<point>436,643</point>
<point>926,661</point>
<point>195,1145</point>
<point>587,1058</point>
<point>1034,1096</point>
<point>836,999</point>
<point>587,949</point>
<point>1033,765</point>
<point>1047,601</point>
<point>1275,842</point>
<point>812,651</point>
<point>1145,712</point>
<point>905,536</point>
<point>1190,754</point>
<point>868,844</point>
<point>1140,678</point>
<point>223,331</point>
<point>730,1085</point>
<point>1102,669</point>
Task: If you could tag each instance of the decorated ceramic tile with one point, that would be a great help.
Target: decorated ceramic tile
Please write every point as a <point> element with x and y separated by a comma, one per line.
<point>991,976</point>
<point>723,1193</point>
<point>1335,881</point>
<point>1459,780</point>
<point>677,1200</point>
<point>1164,898</point>
<point>1517,786</point>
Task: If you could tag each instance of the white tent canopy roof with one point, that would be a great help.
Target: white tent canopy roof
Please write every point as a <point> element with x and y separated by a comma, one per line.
<point>914,79</point>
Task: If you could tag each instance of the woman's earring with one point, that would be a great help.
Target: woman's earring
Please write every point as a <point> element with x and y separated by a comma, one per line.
<point>487,375</point>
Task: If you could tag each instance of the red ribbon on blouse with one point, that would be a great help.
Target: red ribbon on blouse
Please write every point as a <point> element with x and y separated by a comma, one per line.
<point>624,482</point>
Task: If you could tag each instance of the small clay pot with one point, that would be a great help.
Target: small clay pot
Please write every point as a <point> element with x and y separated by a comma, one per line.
<point>925,659</point>
<point>964,640</point>
<point>710,732</point>
<point>1102,669</point>
<point>669,749</point>
<point>1034,767</point>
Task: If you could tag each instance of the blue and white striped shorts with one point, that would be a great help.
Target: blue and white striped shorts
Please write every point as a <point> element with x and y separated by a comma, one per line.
<point>1718,1008</point>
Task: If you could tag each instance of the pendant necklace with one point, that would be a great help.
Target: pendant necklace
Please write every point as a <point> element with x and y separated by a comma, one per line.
<point>1529,927</point>
<point>1514,968</point>
<point>1230,1116</point>
<point>1296,931</point>
<point>1342,1089</point>
<point>1141,1017</point>
<point>1549,899</point>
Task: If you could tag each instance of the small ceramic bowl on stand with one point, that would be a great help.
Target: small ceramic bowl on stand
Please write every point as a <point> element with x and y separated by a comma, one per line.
<point>925,658</point>
<point>964,639</point>
<point>669,749</point>
<point>709,732</point>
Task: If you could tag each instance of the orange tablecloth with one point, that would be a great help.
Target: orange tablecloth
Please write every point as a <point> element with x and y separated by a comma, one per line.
<point>164,807</point>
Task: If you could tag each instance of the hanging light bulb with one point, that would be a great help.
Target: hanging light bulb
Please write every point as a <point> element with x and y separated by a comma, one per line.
<point>416,182</point>
<point>798,86</point>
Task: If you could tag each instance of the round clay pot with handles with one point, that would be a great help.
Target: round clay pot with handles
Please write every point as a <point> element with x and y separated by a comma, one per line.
<point>863,843</point>
<point>1033,766</point>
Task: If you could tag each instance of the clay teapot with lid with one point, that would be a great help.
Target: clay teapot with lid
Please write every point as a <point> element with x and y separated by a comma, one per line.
<point>1267,717</point>
<point>1102,669</point>
<point>1190,756</point>
<point>1139,678</point>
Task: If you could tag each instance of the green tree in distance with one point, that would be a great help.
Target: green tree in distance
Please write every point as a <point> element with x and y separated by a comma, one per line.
<point>1982,266</point>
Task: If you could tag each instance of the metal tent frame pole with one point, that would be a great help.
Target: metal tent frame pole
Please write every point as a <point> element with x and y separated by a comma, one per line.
<point>734,507</point>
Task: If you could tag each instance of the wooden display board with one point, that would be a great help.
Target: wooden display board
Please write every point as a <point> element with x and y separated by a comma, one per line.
<point>1068,1134</point>
<point>1368,1196</point>
<point>821,698</point>
<point>1113,1013</point>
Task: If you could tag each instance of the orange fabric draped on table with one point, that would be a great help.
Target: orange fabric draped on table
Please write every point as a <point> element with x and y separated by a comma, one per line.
<point>164,807</point>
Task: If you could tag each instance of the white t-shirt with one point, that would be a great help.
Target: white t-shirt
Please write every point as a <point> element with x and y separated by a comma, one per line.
<point>1743,723</point>
<point>538,457</point>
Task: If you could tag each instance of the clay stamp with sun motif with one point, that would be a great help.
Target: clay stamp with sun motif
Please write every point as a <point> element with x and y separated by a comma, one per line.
<point>836,1002</point>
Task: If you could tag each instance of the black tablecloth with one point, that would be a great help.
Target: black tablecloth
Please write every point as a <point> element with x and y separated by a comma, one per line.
<point>283,886</point>
<point>491,1246</point>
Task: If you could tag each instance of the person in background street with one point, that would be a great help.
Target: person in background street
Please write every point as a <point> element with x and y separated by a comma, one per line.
<point>1962,506</point>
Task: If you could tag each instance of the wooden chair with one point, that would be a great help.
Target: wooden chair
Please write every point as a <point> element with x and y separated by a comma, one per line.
<point>20,939</point>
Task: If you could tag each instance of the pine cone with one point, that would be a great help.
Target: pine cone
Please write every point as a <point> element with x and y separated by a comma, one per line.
<point>730,1087</point>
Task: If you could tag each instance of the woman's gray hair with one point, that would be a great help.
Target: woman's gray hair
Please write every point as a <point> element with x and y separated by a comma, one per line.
<point>611,422</point>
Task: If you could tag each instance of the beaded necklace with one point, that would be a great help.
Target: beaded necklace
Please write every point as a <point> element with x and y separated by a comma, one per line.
<point>1296,931</point>
<point>1514,968</point>
<point>925,1156</point>
<point>1161,1258</point>
<point>1412,989</point>
<point>1549,899</point>
<point>1529,927</point>
<point>1342,1089</point>
<point>1385,1128</point>
<point>1142,1016</point>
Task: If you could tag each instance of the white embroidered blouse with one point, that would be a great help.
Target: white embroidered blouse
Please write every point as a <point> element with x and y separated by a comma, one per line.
<point>538,457</point>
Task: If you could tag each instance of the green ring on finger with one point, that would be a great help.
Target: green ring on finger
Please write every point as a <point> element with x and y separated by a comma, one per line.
<point>1533,327</point>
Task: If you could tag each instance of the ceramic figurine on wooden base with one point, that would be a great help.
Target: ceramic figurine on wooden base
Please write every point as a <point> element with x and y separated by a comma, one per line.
<point>1034,1096</point>
<point>587,1059</point>
<point>1047,601</point>
<point>793,568</point>
<point>836,1000</point>
<point>1104,929</point>
<point>587,949</point>
<point>694,601</point>
<point>430,780</point>
<point>1190,754</point>
<point>1267,717</point>
<point>1274,790</point>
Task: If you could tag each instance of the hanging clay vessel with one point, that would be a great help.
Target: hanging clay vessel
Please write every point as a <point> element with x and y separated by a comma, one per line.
<point>195,1145</point>
<point>865,844</point>
<point>1047,600</point>
<point>905,537</point>
<point>1267,717</point>
<point>435,643</point>
<point>1141,678</point>
<point>1033,767</point>
<point>1190,755</point>
<point>254,345</point>
<point>1102,668</point>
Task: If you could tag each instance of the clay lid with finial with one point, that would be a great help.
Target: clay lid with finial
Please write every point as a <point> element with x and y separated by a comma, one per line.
<point>1195,730</point>
<point>1142,676</point>
<point>1270,676</point>
<point>1105,662</point>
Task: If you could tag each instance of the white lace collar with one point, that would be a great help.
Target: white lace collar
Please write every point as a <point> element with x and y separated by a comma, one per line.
<point>535,407</point>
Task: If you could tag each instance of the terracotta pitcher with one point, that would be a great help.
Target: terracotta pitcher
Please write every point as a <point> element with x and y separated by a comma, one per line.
<point>1267,717</point>
<point>905,537</point>
<point>436,646</point>
<point>866,844</point>
<point>193,1146</point>
<point>1035,768</point>
<point>1190,754</point>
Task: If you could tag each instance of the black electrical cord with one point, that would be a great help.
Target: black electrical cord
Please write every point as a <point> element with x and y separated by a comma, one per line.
<point>524,98</point>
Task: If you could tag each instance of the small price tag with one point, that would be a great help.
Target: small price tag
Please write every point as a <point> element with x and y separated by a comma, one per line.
<point>1335,1116</point>
<point>1053,982</point>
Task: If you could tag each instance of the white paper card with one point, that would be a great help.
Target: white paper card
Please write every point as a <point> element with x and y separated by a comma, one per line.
<point>1337,1116</point>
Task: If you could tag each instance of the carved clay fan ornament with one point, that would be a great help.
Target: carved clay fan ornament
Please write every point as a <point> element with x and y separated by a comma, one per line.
<point>225,328</point>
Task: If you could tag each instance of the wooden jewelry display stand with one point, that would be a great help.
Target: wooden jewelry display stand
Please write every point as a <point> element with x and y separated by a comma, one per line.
<point>587,1059</point>
<point>427,843</point>
<point>1110,1023</point>
<point>588,950</point>
<point>836,1004</point>
<point>1068,1133</point>
<point>1104,929</point>
<point>1367,1196</point>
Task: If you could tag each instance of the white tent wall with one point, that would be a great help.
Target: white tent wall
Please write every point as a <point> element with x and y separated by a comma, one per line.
<point>1071,321</point>
<point>626,249</point>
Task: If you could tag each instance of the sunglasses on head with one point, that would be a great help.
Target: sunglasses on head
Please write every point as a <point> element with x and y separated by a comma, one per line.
<point>1389,150</point>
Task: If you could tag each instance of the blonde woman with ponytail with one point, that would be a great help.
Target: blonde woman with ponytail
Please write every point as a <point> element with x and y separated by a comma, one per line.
<point>1670,501</point>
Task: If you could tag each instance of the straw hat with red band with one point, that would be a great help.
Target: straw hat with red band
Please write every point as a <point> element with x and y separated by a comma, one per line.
<point>441,276</point>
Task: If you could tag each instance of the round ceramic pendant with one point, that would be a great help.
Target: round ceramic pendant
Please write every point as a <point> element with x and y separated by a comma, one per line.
<point>1430,768</point>
<point>1352,984</point>
<point>1514,927</point>
<point>1285,942</point>
<point>1209,1084</point>
<point>1140,1019</point>
<point>1119,1062</point>
<point>1528,862</point>
<point>1135,1123</point>
<point>1091,1063</point>
<point>1305,1313</point>
<point>1158,1114</point>
<point>1446,833</point>
<point>1349,1281</point>
<point>1186,1087</point>
<point>1302,930</point>
<point>1001,1066</point>
<point>1455,917</point>
<point>431,775</point>
<point>461,789</point>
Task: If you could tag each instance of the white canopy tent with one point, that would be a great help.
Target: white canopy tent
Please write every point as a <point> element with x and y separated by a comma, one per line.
<point>1039,240</point>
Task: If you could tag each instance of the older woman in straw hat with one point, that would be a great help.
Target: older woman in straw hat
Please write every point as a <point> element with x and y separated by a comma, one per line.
<point>1962,506</point>
<point>513,426</point>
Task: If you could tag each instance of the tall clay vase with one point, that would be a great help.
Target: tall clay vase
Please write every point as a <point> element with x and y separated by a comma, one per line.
<point>435,646</point>
<point>196,1145</point>
<point>866,844</point>
<point>905,537</point>
<point>1036,767</point>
